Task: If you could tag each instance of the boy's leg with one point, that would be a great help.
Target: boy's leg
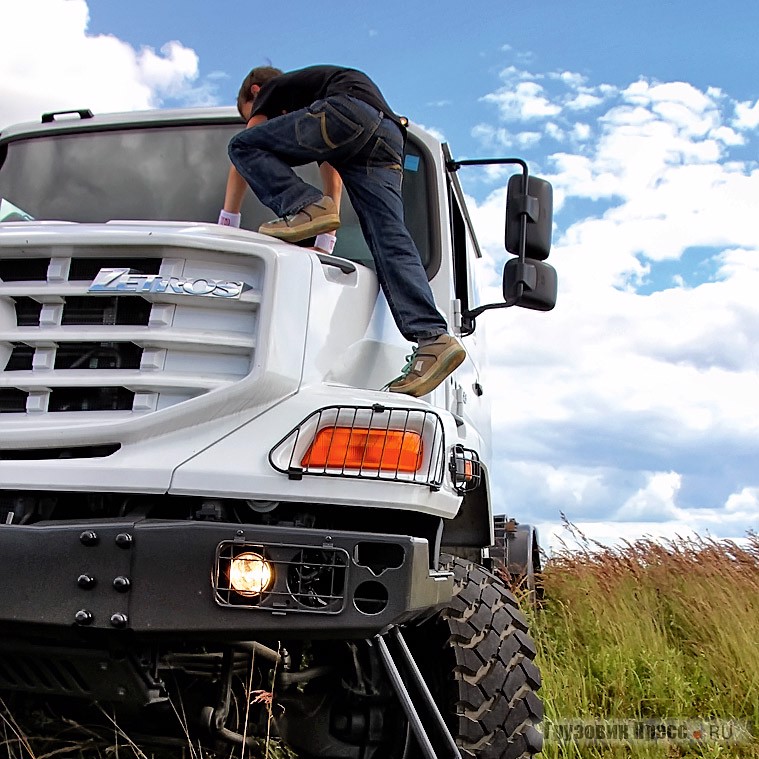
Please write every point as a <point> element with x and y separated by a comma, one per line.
<point>264,156</point>
<point>328,130</point>
<point>373,183</point>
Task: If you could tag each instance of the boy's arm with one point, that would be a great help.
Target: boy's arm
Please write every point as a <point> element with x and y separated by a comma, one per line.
<point>236,185</point>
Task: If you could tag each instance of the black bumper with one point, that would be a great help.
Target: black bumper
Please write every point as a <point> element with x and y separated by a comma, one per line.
<point>166,579</point>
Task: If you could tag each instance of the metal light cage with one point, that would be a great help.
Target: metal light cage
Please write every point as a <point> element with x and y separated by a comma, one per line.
<point>465,469</point>
<point>293,454</point>
<point>308,579</point>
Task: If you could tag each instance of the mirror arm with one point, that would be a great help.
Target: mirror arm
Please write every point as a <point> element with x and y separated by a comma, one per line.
<point>471,314</point>
<point>453,165</point>
<point>528,211</point>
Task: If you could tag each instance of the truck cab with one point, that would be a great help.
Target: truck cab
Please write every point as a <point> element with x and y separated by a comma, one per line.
<point>203,484</point>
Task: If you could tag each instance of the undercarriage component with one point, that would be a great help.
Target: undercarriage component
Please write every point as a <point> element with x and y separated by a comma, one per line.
<point>516,555</point>
<point>92,675</point>
<point>462,684</point>
<point>435,730</point>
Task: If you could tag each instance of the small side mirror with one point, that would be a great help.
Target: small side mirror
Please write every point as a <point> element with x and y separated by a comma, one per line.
<point>537,205</point>
<point>532,284</point>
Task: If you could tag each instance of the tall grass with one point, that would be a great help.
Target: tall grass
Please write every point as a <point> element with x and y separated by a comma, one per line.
<point>651,631</point>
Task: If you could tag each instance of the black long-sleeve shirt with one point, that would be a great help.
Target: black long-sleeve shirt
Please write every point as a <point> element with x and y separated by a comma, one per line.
<point>298,89</point>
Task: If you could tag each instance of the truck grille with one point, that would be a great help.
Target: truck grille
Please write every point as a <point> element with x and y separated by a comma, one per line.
<point>64,349</point>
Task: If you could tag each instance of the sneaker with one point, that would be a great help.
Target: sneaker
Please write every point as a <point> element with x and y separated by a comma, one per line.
<point>428,366</point>
<point>322,216</point>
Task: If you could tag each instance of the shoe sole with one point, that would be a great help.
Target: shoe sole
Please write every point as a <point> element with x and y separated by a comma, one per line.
<point>447,362</point>
<point>303,231</point>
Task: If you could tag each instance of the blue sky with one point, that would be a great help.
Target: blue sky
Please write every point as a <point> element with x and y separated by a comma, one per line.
<point>631,407</point>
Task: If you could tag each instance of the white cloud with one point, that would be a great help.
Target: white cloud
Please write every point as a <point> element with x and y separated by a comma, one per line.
<point>555,537</point>
<point>632,406</point>
<point>524,100</point>
<point>570,78</point>
<point>746,115</point>
<point>581,132</point>
<point>655,501</point>
<point>434,131</point>
<point>554,131</point>
<point>582,101</point>
<point>44,40</point>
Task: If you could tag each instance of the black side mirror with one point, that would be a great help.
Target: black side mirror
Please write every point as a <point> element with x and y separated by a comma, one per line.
<point>537,205</point>
<point>532,284</point>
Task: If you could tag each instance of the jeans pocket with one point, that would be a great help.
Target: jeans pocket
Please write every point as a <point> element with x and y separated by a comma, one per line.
<point>383,156</point>
<point>323,128</point>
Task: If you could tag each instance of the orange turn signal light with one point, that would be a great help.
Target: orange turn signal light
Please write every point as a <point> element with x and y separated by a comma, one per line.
<point>365,448</point>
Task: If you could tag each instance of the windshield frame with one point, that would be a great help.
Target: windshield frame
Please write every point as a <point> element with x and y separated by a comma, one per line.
<point>216,117</point>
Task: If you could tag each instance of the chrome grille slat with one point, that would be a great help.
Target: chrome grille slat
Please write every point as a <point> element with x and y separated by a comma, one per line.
<point>53,291</point>
<point>145,337</point>
<point>134,379</point>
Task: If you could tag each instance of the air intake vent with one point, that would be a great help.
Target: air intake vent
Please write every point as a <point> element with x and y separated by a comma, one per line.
<point>27,312</point>
<point>49,454</point>
<point>21,359</point>
<point>96,356</point>
<point>86,269</point>
<point>12,401</point>
<point>91,399</point>
<point>24,269</point>
<point>130,311</point>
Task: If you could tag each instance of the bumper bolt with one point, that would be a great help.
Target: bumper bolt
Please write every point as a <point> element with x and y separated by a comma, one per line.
<point>89,538</point>
<point>121,584</point>
<point>119,620</point>
<point>86,582</point>
<point>124,540</point>
<point>83,617</point>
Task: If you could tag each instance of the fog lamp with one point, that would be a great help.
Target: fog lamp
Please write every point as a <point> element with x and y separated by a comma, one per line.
<point>250,574</point>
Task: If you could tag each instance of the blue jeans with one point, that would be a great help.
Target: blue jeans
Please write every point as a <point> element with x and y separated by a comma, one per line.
<point>366,149</point>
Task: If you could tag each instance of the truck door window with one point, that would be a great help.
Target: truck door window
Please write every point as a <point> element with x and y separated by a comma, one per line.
<point>458,240</point>
<point>466,252</point>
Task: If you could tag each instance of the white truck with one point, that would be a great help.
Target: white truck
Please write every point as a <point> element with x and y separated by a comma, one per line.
<point>215,526</point>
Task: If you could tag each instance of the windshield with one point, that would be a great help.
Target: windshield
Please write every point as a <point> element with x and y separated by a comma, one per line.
<point>167,173</point>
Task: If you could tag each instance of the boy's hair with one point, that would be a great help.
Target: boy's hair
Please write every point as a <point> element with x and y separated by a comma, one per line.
<point>258,76</point>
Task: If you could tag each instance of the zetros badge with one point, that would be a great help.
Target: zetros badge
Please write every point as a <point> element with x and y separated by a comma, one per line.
<point>124,281</point>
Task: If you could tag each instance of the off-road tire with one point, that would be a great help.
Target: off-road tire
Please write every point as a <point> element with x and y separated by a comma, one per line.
<point>493,684</point>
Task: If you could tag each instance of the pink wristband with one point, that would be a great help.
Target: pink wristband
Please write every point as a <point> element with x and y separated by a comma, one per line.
<point>227,219</point>
<point>325,242</point>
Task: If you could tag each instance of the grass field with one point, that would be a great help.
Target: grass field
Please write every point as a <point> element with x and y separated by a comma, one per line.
<point>651,631</point>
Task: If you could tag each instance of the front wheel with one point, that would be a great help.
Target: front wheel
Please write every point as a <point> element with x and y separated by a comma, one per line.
<point>482,670</point>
